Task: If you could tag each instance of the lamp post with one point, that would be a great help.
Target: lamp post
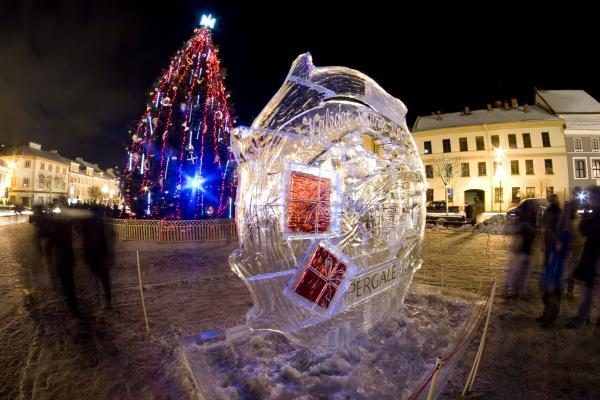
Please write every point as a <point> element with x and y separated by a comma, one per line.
<point>500,172</point>
<point>104,191</point>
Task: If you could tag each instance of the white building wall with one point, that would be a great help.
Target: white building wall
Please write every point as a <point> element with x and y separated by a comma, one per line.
<point>539,180</point>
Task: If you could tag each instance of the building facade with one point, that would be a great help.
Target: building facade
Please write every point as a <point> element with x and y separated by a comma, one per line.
<point>88,183</point>
<point>497,156</point>
<point>37,176</point>
<point>581,113</point>
<point>5,175</point>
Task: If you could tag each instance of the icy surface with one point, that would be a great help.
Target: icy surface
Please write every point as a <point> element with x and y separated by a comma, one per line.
<point>388,364</point>
<point>329,208</point>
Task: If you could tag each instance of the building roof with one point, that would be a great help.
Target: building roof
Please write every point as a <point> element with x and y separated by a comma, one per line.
<point>86,164</point>
<point>480,117</point>
<point>33,151</point>
<point>568,101</point>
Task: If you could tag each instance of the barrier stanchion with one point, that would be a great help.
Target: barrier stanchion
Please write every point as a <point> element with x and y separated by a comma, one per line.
<point>436,374</point>
<point>473,373</point>
<point>137,254</point>
<point>468,333</point>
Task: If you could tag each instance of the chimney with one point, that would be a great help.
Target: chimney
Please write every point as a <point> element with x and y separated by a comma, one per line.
<point>514,103</point>
<point>498,104</point>
<point>34,145</point>
<point>439,115</point>
<point>467,111</point>
<point>526,108</point>
<point>433,113</point>
<point>489,107</point>
<point>54,151</point>
<point>506,107</point>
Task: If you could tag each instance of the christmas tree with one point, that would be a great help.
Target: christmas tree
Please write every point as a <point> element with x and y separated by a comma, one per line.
<point>179,164</point>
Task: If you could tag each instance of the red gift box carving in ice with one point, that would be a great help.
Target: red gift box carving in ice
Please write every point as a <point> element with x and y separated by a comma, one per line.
<point>321,278</point>
<point>309,203</point>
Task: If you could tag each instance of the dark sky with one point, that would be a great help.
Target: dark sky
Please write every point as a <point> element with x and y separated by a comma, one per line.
<point>74,74</point>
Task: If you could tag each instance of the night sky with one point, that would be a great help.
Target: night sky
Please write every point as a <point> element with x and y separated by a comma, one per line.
<point>74,74</point>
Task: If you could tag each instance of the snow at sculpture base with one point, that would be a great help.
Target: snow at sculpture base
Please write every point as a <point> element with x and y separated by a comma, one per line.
<point>330,207</point>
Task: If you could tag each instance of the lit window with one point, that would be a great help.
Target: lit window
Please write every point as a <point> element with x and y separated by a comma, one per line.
<point>427,147</point>
<point>596,168</point>
<point>548,166</point>
<point>580,168</point>
<point>529,167</point>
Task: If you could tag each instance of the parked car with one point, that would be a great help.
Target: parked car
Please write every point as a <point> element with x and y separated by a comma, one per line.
<point>539,205</point>
<point>440,206</point>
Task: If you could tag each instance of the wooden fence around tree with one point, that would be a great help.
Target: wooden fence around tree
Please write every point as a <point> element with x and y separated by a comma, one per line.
<point>174,231</point>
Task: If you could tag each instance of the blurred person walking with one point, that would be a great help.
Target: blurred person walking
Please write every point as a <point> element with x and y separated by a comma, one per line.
<point>98,247</point>
<point>518,266</point>
<point>586,270</point>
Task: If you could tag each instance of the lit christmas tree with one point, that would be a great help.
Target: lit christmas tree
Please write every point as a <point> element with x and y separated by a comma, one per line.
<point>179,164</point>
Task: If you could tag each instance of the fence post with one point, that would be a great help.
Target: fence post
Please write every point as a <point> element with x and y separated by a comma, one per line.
<point>137,253</point>
<point>473,373</point>
<point>436,373</point>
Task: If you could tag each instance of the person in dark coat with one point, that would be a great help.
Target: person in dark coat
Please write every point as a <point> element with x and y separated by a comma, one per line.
<point>552,279</point>
<point>97,248</point>
<point>550,221</point>
<point>586,270</point>
<point>61,242</point>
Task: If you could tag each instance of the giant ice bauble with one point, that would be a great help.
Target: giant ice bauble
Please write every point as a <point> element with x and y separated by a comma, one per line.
<point>330,207</point>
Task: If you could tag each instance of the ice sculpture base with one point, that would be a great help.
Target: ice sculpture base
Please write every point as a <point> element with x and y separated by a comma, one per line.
<point>389,362</point>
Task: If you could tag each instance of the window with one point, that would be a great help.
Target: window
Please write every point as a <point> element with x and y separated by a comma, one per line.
<point>50,167</point>
<point>27,164</point>
<point>514,167</point>
<point>527,140</point>
<point>549,191</point>
<point>515,194</point>
<point>595,142</point>
<point>498,194</point>
<point>464,169</point>
<point>512,141</point>
<point>481,166</point>
<point>529,167</point>
<point>596,168</point>
<point>548,166</point>
<point>577,145</point>
<point>530,191</point>
<point>429,195</point>
<point>479,143</point>
<point>427,146</point>
<point>450,195</point>
<point>545,139</point>
<point>25,182</point>
<point>42,166</point>
<point>580,168</point>
<point>446,144</point>
<point>495,141</point>
<point>429,171</point>
<point>463,144</point>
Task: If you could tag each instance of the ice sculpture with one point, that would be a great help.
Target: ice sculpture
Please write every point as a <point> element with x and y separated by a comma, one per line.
<point>330,207</point>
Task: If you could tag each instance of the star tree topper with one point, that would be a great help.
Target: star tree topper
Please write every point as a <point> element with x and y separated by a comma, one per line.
<point>208,21</point>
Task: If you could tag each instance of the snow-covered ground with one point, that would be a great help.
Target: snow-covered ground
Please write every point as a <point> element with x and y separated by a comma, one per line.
<point>47,354</point>
<point>389,363</point>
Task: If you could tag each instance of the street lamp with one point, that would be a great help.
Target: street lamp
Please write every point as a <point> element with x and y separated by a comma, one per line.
<point>104,191</point>
<point>500,172</point>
